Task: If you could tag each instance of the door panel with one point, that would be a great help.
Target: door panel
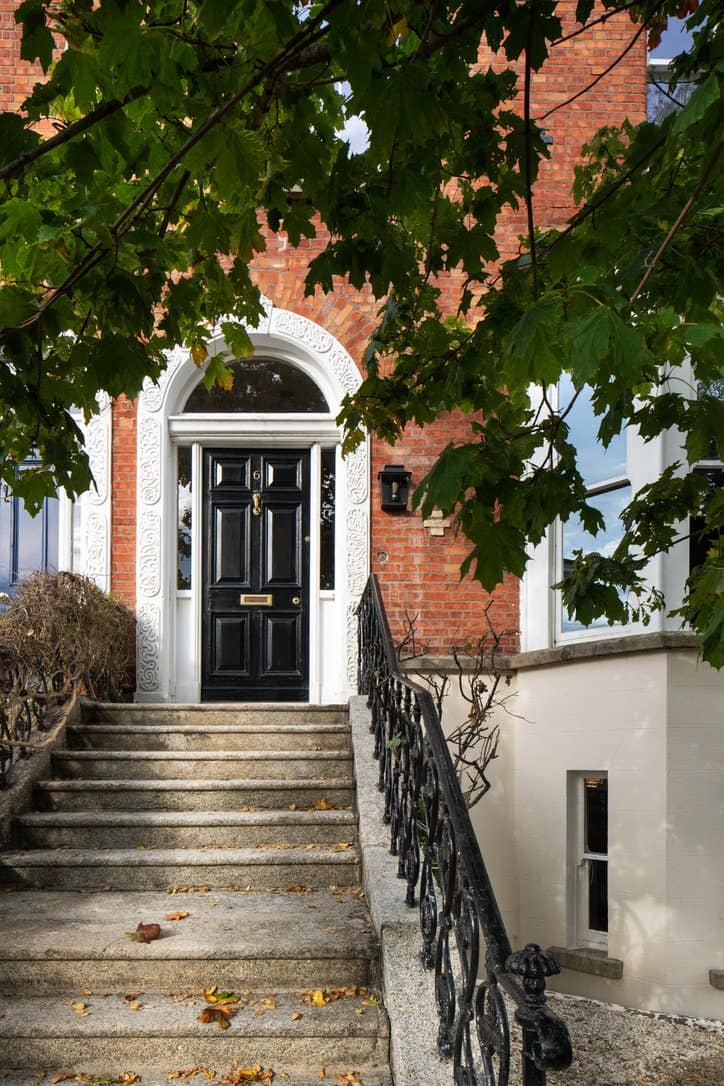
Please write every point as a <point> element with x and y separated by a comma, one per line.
<point>256,575</point>
<point>230,647</point>
<point>282,636</point>
<point>283,545</point>
<point>231,546</point>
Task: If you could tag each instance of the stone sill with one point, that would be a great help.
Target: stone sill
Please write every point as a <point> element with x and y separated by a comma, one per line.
<point>606,646</point>
<point>588,960</point>
<point>664,641</point>
<point>716,979</point>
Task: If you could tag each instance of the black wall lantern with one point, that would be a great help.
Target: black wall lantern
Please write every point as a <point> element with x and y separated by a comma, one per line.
<point>394,488</point>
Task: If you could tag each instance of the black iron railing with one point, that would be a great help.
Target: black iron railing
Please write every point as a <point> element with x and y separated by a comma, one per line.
<point>440,860</point>
<point>31,705</point>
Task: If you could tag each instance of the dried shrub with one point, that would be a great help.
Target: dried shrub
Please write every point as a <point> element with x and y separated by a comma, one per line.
<point>62,633</point>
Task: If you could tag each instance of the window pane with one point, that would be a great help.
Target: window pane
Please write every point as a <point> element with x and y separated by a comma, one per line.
<point>326,520</point>
<point>183,508</point>
<point>595,792</point>
<point>260,385</point>
<point>36,538</point>
<point>595,463</point>
<point>611,504</point>
<point>598,895</point>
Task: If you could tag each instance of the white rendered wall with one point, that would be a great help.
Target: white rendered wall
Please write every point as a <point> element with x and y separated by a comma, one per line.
<point>653,722</point>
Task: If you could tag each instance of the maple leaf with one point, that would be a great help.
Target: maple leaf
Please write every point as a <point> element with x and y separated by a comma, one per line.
<point>219,999</point>
<point>221,1015</point>
<point>323,804</point>
<point>145,933</point>
<point>246,1076</point>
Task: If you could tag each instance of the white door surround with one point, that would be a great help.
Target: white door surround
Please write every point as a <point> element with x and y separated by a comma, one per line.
<point>168,657</point>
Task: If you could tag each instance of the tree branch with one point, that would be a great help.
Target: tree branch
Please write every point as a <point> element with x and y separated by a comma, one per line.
<point>680,219</point>
<point>105,109</point>
<point>603,74</point>
<point>127,219</point>
<point>595,22</point>
<point>529,149</point>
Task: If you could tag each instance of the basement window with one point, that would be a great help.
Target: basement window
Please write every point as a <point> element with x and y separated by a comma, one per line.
<point>588,869</point>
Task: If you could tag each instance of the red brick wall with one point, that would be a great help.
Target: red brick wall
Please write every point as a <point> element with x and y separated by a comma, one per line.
<point>123,502</point>
<point>16,77</point>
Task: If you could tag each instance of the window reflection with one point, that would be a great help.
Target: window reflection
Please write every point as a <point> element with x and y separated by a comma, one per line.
<point>260,385</point>
<point>595,463</point>
<point>604,472</point>
<point>27,544</point>
<point>183,513</point>
<point>326,519</point>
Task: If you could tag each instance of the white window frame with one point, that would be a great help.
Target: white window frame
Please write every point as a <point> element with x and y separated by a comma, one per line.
<point>579,934</point>
<point>541,606</point>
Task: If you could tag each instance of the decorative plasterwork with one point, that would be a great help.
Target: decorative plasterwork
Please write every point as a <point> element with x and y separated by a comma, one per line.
<point>95,504</point>
<point>306,344</point>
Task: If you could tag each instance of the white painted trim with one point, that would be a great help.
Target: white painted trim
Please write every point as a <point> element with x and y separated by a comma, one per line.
<point>95,504</point>
<point>161,426</point>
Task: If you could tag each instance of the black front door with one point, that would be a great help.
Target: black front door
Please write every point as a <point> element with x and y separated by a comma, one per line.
<point>256,575</point>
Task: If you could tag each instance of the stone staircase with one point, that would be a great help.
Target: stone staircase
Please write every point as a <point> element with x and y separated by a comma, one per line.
<point>231,827</point>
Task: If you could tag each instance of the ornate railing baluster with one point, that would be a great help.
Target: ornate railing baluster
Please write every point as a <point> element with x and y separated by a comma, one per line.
<point>440,860</point>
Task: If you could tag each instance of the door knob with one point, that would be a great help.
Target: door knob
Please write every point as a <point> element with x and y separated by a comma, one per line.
<point>296,601</point>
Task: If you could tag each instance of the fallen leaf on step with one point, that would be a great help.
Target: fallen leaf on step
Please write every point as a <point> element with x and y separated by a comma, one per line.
<point>81,1009</point>
<point>221,1015</point>
<point>323,805</point>
<point>372,1001</point>
<point>296,1016</point>
<point>247,1076</point>
<point>292,806</point>
<point>213,995</point>
<point>341,846</point>
<point>191,1072</point>
<point>350,1079</point>
<point>269,1003</point>
<point>131,997</point>
<point>315,997</point>
<point>145,933</point>
<point>135,1006</point>
<point>297,888</point>
<point>180,915</point>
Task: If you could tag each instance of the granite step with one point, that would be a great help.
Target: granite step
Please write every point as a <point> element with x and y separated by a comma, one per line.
<point>164,868</point>
<point>213,713</point>
<point>218,765</point>
<point>184,795</point>
<point>277,1029</point>
<point>182,829</point>
<point>156,736</point>
<point>298,937</point>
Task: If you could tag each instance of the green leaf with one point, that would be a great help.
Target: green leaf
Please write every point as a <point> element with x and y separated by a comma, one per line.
<point>705,96</point>
<point>37,43</point>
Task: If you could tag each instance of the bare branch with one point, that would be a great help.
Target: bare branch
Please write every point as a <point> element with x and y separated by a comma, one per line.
<point>680,218</point>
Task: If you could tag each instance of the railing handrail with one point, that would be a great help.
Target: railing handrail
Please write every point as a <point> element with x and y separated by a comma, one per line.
<point>423,796</point>
<point>496,935</point>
